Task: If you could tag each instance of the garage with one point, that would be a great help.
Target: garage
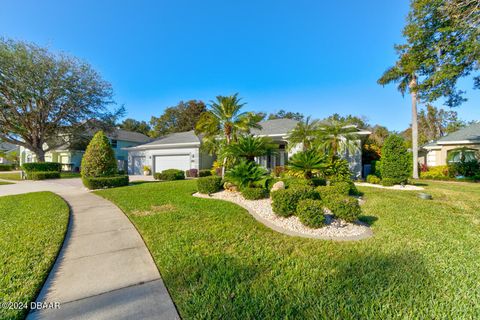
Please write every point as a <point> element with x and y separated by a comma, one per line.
<point>172,161</point>
<point>137,165</point>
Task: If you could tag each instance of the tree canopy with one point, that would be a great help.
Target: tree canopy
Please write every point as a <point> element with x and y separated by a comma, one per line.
<point>182,117</point>
<point>45,96</point>
<point>282,114</point>
<point>135,126</point>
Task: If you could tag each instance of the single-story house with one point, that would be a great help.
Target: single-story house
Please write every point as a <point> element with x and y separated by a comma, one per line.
<point>70,156</point>
<point>183,150</point>
<point>7,149</point>
<point>436,153</point>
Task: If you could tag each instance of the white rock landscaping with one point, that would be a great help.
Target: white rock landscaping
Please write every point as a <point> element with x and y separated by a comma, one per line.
<point>261,210</point>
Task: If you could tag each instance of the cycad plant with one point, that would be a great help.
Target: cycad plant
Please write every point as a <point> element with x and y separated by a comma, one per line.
<point>245,174</point>
<point>305,163</point>
<point>248,147</point>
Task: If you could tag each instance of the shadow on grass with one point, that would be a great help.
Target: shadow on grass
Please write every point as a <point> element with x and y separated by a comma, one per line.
<point>370,220</point>
<point>134,183</point>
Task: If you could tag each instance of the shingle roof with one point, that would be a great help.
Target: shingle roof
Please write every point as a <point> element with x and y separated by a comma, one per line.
<point>470,133</point>
<point>173,138</point>
<point>275,127</point>
<point>7,146</point>
<point>120,134</point>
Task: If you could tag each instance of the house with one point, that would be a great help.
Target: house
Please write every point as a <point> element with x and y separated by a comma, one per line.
<point>182,150</point>
<point>436,153</point>
<point>7,152</point>
<point>70,155</point>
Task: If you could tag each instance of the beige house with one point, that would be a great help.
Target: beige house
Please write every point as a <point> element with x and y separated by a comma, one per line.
<point>437,153</point>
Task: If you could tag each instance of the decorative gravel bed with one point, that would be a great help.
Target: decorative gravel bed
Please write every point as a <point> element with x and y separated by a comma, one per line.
<point>407,187</point>
<point>335,229</point>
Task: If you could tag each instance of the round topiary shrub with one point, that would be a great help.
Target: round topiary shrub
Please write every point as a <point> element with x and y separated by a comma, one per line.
<point>99,158</point>
<point>208,185</point>
<point>284,202</point>
<point>345,208</point>
<point>254,193</point>
<point>371,178</point>
<point>310,212</point>
<point>396,161</point>
<point>326,191</point>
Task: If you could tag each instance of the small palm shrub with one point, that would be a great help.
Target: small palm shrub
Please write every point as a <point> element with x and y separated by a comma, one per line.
<point>284,202</point>
<point>170,175</point>
<point>254,193</point>
<point>310,212</point>
<point>204,173</point>
<point>396,162</point>
<point>245,174</point>
<point>343,207</point>
<point>305,163</point>
<point>210,184</point>
<point>99,158</point>
<point>248,147</point>
<point>371,178</point>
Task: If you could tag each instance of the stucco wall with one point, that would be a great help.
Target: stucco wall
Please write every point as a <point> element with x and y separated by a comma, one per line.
<point>150,156</point>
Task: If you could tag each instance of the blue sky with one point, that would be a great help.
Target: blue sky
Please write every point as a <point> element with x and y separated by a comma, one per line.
<point>315,57</point>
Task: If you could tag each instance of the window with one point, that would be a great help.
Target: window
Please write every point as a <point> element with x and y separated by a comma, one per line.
<point>462,155</point>
<point>114,143</point>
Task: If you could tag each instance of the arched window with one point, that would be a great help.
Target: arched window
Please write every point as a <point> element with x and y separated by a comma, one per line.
<point>462,155</point>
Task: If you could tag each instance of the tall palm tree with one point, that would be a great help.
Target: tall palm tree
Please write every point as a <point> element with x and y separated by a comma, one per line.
<point>405,74</point>
<point>304,133</point>
<point>335,138</point>
<point>249,147</point>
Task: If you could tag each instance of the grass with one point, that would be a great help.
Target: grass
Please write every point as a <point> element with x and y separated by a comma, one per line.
<point>4,182</point>
<point>69,175</point>
<point>10,175</point>
<point>218,262</point>
<point>32,228</point>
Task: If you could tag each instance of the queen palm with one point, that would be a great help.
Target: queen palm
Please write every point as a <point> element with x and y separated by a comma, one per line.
<point>335,138</point>
<point>249,147</point>
<point>304,133</point>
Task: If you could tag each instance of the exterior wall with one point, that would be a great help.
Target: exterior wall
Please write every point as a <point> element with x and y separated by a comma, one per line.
<point>149,155</point>
<point>206,160</point>
<point>355,160</point>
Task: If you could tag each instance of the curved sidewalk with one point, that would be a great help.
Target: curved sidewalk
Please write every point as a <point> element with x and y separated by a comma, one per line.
<point>104,270</point>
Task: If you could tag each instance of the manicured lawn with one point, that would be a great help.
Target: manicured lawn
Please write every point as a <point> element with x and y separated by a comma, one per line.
<point>10,175</point>
<point>218,262</point>
<point>32,228</point>
<point>4,182</point>
<point>69,175</point>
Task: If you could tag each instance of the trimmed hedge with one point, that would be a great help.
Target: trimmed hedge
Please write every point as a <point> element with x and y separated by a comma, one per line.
<point>254,193</point>
<point>310,212</point>
<point>42,175</point>
<point>105,182</point>
<point>371,178</point>
<point>284,202</point>
<point>42,167</point>
<point>6,167</point>
<point>294,182</point>
<point>204,173</point>
<point>344,207</point>
<point>99,158</point>
<point>326,191</point>
<point>388,182</point>
<point>191,173</point>
<point>208,185</point>
<point>169,175</point>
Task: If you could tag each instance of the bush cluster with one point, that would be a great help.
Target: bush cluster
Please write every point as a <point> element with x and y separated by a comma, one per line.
<point>388,182</point>
<point>371,178</point>
<point>191,173</point>
<point>326,191</point>
<point>254,193</point>
<point>42,166</point>
<point>396,162</point>
<point>310,212</point>
<point>42,175</point>
<point>464,168</point>
<point>208,185</point>
<point>284,202</point>
<point>169,175</point>
<point>6,167</point>
<point>204,173</point>
<point>93,183</point>
<point>343,187</point>
<point>343,207</point>
<point>293,182</point>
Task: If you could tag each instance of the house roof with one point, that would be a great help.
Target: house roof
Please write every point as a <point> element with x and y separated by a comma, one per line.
<point>275,127</point>
<point>120,134</point>
<point>470,133</point>
<point>7,146</point>
<point>177,138</point>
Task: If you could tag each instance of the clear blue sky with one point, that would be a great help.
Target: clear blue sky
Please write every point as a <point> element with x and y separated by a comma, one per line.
<point>316,57</point>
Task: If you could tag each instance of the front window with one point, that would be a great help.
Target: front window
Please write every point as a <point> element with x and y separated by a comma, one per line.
<point>462,155</point>
<point>114,143</point>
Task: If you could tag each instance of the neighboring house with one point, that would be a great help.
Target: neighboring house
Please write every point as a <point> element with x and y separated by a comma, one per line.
<point>437,153</point>
<point>71,157</point>
<point>7,149</point>
<point>182,150</point>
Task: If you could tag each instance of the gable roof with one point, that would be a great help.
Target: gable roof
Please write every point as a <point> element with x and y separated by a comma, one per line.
<point>467,134</point>
<point>275,127</point>
<point>172,139</point>
<point>7,146</point>
<point>120,134</point>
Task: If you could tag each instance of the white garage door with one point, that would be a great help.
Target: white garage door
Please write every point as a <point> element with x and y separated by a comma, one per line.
<point>180,161</point>
<point>137,165</point>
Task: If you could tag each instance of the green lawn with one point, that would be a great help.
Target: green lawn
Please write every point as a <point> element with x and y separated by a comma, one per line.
<point>218,262</point>
<point>32,228</point>
<point>10,175</point>
<point>4,182</point>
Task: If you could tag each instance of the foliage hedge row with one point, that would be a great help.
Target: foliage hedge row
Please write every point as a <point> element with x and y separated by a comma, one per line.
<point>6,167</point>
<point>208,185</point>
<point>254,193</point>
<point>310,212</point>
<point>169,175</point>
<point>284,202</point>
<point>343,207</point>
<point>93,183</point>
<point>42,175</point>
<point>204,173</point>
<point>42,166</point>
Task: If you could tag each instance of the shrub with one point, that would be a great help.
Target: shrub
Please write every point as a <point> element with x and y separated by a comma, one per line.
<point>99,158</point>
<point>376,168</point>
<point>42,175</point>
<point>339,170</point>
<point>293,182</point>
<point>254,193</point>
<point>305,163</point>
<point>371,178</point>
<point>169,175</point>
<point>245,174</point>
<point>42,166</point>
<point>204,173</point>
<point>319,182</point>
<point>345,208</point>
<point>310,213</point>
<point>284,202</point>
<point>437,172</point>
<point>464,168</point>
<point>342,187</point>
<point>191,173</point>
<point>388,182</point>
<point>209,184</point>
<point>396,160</point>
<point>6,167</point>
<point>278,171</point>
<point>93,183</point>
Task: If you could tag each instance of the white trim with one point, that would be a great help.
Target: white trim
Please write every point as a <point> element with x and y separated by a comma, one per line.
<point>458,142</point>
<point>160,146</point>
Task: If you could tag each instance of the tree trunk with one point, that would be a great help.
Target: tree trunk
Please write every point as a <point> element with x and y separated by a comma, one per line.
<point>413,84</point>
<point>40,154</point>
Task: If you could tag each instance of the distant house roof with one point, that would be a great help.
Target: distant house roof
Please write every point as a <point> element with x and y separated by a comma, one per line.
<point>275,127</point>
<point>173,139</point>
<point>467,134</point>
<point>7,146</point>
<point>120,134</point>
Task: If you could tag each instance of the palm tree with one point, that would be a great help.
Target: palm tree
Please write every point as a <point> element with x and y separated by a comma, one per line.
<point>304,133</point>
<point>245,174</point>
<point>249,147</point>
<point>336,138</point>
<point>306,162</point>
<point>405,74</point>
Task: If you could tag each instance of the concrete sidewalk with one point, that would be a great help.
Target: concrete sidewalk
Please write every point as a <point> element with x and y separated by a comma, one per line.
<point>104,270</point>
